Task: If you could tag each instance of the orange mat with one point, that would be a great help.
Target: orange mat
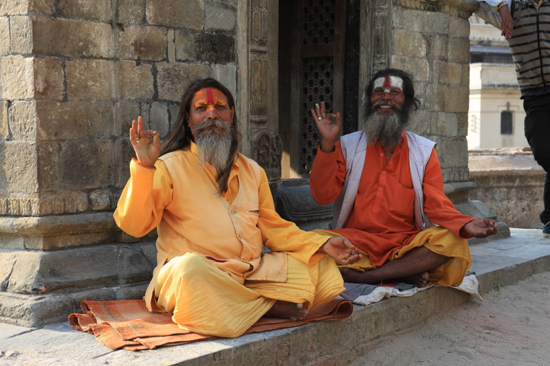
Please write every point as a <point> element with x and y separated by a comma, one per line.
<point>127,324</point>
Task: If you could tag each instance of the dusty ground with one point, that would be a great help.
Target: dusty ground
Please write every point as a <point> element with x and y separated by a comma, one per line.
<point>509,327</point>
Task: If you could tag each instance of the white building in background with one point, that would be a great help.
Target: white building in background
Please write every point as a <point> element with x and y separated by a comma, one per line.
<point>496,111</point>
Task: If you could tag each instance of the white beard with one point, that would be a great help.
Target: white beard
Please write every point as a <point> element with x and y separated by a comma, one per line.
<point>385,130</point>
<point>215,148</point>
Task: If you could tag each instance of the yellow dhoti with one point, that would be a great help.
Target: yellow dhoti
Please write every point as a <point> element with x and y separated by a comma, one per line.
<point>437,239</point>
<point>206,300</point>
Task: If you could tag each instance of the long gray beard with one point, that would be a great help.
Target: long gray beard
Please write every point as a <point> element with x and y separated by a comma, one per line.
<point>214,149</point>
<point>385,130</point>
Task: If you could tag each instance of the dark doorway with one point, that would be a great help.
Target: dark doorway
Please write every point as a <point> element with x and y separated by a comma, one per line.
<point>318,61</point>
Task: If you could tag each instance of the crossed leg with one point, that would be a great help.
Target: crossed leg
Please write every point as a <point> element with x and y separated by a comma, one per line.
<point>412,268</point>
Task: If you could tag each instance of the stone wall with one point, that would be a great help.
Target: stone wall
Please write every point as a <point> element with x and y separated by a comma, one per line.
<point>510,183</point>
<point>73,74</point>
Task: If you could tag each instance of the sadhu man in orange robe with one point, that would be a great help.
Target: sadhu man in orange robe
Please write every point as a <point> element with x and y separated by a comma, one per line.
<point>214,213</point>
<point>388,188</point>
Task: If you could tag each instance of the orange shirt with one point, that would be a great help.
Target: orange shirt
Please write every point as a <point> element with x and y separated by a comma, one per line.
<point>382,219</point>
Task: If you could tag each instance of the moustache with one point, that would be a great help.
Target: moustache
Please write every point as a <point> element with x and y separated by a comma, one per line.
<point>225,127</point>
<point>395,106</point>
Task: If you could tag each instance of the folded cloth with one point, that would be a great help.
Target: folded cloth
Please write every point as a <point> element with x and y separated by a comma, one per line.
<point>127,324</point>
<point>364,294</point>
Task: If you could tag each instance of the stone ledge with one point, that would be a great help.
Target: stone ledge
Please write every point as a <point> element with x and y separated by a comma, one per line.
<point>57,231</point>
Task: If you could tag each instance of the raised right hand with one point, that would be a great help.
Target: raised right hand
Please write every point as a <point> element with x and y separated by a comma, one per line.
<point>328,129</point>
<point>146,144</point>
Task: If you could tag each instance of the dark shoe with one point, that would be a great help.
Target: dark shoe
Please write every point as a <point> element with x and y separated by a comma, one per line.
<point>546,230</point>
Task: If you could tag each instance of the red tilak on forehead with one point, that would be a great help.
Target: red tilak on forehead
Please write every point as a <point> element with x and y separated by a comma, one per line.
<point>387,82</point>
<point>209,96</point>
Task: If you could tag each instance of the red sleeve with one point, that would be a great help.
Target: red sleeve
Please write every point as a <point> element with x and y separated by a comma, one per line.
<point>327,175</point>
<point>437,206</point>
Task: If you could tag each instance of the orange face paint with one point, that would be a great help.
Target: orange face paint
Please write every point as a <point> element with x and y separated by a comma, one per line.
<point>209,98</point>
<point>209,103</point>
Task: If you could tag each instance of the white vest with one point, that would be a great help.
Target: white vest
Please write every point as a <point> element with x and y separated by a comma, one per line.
<point>354,149</point>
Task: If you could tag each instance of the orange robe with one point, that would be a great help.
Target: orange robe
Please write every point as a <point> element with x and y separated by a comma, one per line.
<point>382,220</point>
<point>211,272</point>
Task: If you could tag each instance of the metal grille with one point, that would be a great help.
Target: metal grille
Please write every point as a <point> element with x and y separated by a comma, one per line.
<point>319,22</point>
<point>317,76</point>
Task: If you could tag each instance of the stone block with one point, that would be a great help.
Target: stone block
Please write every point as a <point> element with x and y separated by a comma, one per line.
<point>456,99</point>
<point>136,264</point>
<point>465,74</point>
<point>7,262</point>
<point>60,203</point>
<point>90,79</point>
<point>74,120</point>
<point>227,75</point>
<point>216,48</point>
<point>219,17</point>
<point>49,78</point>
<point>100,200</point>
<point>85,164</point>
<point>143,43</point>
<point>130,11</point>
<point>4,36</point>
<point>124,154</point>
<point>459,27</point>
<point>18,167</point>
<point>185,45</point>
<point>126,112</point>
<point>159,118</point>
<point>456,152</point>
<point>420,123</point>
<point>174,110</point>
<point>48,173</point>
<point>172,79</point>
<point>175,13</point>
<point>35,311</point>
<point>451,125</point>
<point>22,120</point>
<point>21,35</point>
<point>439,72</point>
<point>42,6</point>
<point>44,272</point>
<point>407,43</point>
<point>435,97</point>
<point>56,232</point>
<point>418,67</point>
<point>14,7</point>
<point>455,73</point>
<point>438,45</point>
<point>420,21</point>
<point>462,124</point>
<point>87,9</point>
<point>16,77</point>
<point>135,81</point>
<point>4,131</point>
<point>72,38</point>
<point>459,50</point>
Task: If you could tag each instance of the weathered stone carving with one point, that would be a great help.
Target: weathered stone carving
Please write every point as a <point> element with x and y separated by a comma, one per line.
<point>267,151</point>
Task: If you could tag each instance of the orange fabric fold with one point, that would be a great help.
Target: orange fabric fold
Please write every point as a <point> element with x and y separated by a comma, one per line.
<point>127,324</point>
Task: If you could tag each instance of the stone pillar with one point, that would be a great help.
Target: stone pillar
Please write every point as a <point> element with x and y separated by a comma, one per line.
<point>73,74</point>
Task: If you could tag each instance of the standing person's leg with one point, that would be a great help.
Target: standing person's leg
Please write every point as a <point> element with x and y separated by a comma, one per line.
<point>537,132</point>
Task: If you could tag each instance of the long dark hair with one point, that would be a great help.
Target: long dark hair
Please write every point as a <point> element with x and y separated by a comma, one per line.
<point>182,136</point>
<point>411,102</point>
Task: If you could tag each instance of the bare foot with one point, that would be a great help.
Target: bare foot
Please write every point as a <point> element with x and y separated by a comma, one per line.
<point>419,279</point>
<point>284,309</point>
